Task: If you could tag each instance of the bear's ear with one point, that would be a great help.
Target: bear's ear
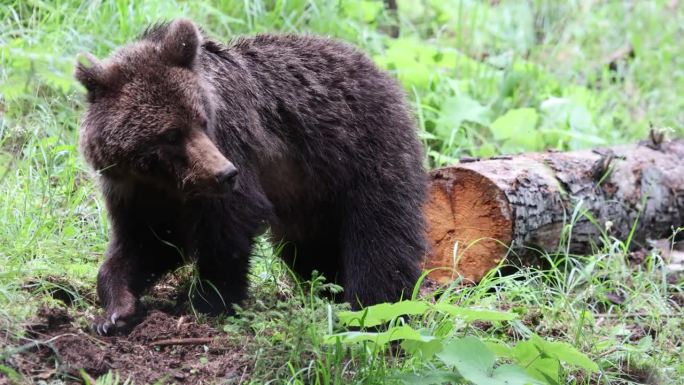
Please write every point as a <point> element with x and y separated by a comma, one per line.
<point>92,74</point>
<point>181,43</point>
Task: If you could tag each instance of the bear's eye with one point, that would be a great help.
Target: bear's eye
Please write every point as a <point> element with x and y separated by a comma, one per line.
<point>202,123</point>
<point>172,137</point>
<point>200,120</point>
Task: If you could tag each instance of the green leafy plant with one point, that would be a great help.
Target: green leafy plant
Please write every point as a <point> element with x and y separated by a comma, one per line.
<point>533,361</point>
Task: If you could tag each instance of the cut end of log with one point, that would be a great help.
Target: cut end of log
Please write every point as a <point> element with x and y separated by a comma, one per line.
<point>469,225</point>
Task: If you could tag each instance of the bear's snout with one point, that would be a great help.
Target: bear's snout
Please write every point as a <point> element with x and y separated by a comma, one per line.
<point>226,177</point>
<point>209,170</point>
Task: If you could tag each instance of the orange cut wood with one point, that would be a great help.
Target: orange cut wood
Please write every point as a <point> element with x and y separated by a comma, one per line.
<point>469,225</point>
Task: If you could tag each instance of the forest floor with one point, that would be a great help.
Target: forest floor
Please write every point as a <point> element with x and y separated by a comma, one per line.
<point>484,78</point>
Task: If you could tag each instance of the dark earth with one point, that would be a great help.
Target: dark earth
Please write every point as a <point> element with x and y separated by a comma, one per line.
<point>59,343</point>
<point>73,347</point>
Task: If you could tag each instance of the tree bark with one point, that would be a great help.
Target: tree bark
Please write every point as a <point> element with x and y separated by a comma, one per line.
<point>480,211</point>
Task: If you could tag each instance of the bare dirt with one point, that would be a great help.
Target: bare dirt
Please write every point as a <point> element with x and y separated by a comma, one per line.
<point>60,344</point>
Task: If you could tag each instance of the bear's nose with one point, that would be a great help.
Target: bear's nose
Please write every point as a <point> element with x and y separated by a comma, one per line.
<point>226,175</point>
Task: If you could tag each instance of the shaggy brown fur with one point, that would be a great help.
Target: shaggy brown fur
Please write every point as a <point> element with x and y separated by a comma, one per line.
<point>202,145</point>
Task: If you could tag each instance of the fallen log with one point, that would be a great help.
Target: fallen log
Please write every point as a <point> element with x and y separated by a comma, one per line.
<point>481,210</point>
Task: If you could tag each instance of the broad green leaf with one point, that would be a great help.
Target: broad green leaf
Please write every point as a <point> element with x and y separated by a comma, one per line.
<point>511,375</point>
<point>528,355</point>
<point>486,150</point>
<point>416,62</point>
<point>403,332</point>
<point>12,89</point>
<point>565,353</point>
<point>411,59</point>
<point>382,313</point>
<point>468,354</point>
<point>579,137</point>
<point>364,10</point>
<point>645,344</point>
<point>458,109</point>
<point>423,349</point>
<point>434,377</point>
<point>569,119</point>
<point>417,7</point>
<point>545,369</point>
<point>499,349</point>
<point>566,113</point>
<point>517,128</point>
<point>525,352</point>
<point>470,315</point>
<point>475,362</point>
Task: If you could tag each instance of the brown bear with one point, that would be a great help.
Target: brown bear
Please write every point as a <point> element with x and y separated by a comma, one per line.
<point>200,146</point>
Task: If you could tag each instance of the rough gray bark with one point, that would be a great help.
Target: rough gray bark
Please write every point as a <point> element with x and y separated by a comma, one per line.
<point>479,211</point>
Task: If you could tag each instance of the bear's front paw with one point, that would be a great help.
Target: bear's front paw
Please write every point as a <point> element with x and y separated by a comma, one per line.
<point>114,323</point>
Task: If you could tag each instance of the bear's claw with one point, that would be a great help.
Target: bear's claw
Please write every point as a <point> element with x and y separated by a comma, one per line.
<point>107,327</point>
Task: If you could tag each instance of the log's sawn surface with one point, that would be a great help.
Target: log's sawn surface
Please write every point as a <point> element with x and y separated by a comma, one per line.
<point>481,211</point>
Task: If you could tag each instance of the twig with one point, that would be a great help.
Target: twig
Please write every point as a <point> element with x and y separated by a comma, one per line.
<point>624,53</point>
<point>468,159</point>
<point>608,352</point>
<point>636,315</point>
<point>32,345</point>
<point>242,377</point>
<point>183,341</point>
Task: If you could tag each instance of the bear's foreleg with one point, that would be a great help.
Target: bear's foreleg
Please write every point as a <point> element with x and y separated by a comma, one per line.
<point>131,267</point>
<point>223,239</point>
<point>222,279</point>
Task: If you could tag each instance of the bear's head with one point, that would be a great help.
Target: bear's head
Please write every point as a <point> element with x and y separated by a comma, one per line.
<point>148,114</point>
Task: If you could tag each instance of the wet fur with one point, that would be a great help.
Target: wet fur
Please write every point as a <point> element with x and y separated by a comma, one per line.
<point>326,150</point>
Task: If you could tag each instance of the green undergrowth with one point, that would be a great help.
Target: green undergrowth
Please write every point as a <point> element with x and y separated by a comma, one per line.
<point>580,320</point>
<point>485,78</point>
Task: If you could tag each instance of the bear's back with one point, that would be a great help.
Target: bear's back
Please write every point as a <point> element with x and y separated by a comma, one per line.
<point>324,84</point>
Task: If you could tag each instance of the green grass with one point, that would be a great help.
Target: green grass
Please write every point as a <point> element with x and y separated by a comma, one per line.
<point>484,79</point>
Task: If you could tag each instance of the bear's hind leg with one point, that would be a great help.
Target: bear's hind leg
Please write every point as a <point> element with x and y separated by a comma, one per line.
<point>320,254</point>
<point>382,244</point>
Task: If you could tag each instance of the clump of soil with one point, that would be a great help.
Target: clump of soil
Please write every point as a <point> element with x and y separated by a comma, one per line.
<point>190,352</point>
